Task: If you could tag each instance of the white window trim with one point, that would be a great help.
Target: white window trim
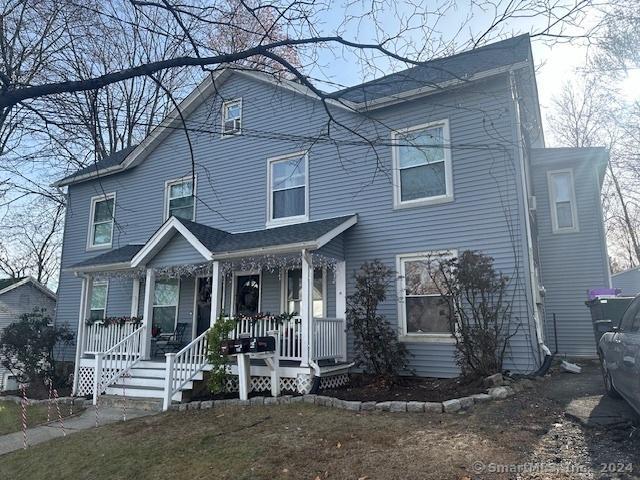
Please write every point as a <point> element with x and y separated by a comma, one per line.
<point>92,211</point>
<point>448,170</point>
<point>278,222</point>
<point>283,290</point>
<point>222,116</point>
<point>106,296</point>
<point>403,335</point>
<point>177,305</point>
<point>169,183</point>
<point>552,202</point>
<point>234,279</point>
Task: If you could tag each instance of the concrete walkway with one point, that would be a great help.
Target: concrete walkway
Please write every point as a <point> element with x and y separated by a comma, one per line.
<point>86,420</point>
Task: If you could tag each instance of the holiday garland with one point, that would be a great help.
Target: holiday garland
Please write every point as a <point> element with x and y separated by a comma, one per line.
<point>108,321</point>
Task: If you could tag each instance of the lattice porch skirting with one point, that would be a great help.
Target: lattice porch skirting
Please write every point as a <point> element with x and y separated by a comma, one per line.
<point>300,384</point>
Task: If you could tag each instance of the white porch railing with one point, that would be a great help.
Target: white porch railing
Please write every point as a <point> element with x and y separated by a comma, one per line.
<point>117,361</point>
<point>183,366</point>
<point>290,333</point>
<point>327,339</point>
<point>100,338</point>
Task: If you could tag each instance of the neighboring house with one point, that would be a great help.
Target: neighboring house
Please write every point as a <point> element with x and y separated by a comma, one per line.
<point>17,297</point>
<point>627,281</point>
<point>436,159</point>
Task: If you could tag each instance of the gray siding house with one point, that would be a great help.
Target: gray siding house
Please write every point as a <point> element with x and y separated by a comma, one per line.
<point>17,297</point>
<point>251,207</point>
<point>627,281</point>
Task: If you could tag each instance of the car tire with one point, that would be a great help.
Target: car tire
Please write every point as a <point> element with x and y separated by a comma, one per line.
<point>608,382</point>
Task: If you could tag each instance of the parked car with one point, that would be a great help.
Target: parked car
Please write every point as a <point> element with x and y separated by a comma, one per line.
<point>619,351</point>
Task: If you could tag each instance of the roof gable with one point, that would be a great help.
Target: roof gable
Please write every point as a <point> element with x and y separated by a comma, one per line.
<point>10,284</point>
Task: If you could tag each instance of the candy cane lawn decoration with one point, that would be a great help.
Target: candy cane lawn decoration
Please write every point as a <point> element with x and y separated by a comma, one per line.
<point>24,416</point>
<point>55,396</point>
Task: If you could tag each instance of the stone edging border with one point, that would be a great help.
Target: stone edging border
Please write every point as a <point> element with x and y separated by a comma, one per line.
<point>448,406</point>
<point>31,401</point>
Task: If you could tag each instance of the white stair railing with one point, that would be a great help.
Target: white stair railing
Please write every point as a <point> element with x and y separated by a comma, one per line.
<point>117,361</point>
<point>327,339</point>
<point>183,366</point>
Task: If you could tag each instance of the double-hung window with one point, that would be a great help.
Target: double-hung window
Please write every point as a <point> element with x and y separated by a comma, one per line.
<point>165,304</point>
<point>423,312</point>
<point>101,221</point>
<point>179,199</point>
<point>422,165</point>
<point>98,307</point>
<point>288,188</point>
<point>232,117</point>
<point>562,197</point>
<point>293,291</point>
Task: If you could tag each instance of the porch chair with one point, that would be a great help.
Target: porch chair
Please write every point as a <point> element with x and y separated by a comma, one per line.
<point>171,342</point>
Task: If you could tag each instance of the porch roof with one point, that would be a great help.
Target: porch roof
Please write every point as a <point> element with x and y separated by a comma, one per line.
<point>220,242</point>
<point>116,258</point>
<point>213,243</point>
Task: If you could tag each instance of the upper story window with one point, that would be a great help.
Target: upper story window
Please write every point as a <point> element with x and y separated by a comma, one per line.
<point>99,293</point>
<point>101,221</point>
<point>179,199</point>
<point>423,313</point>
<point>288,188</point>
<point>562,198</point>
<point>232,117</point>
<point>422,165</point>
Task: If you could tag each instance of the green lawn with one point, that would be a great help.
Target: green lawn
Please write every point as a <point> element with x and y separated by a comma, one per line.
<point>10,415</point>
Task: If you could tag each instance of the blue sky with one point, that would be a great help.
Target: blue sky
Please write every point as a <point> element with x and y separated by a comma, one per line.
<point>556,62</point>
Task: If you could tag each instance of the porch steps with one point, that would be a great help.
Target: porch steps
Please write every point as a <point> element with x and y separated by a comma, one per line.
<point>146,381</point>
<point>134,403</point>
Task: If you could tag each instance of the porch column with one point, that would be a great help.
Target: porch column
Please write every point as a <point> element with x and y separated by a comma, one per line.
<point>85,308</point>
<point>216,291</point>
<point>147,316</point>
<point>341,304</point>
<point>135,297</point>
<point>306,307</point>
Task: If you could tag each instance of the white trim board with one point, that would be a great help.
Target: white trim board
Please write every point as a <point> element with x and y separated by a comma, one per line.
<point>159,239</point>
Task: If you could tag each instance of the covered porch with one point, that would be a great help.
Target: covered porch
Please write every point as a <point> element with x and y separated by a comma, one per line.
<point>188,275</point>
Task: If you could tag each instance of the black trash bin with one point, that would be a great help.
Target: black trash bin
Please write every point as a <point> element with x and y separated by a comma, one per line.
<point>606,313</point>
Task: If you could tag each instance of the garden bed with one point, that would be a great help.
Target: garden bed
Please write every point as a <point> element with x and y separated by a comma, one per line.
<point>366,389</point>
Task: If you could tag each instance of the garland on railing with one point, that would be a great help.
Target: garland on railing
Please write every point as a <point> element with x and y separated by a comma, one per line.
<point>256,317</point>
<point>108,321</point>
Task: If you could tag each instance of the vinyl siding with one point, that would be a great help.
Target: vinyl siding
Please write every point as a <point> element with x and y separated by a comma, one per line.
<point>17,302</point>
<point>346,176</point>
<point>571,263</point>
<point>628,281</point>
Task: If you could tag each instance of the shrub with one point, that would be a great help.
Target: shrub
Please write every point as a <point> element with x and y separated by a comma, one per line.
<point>28,348</point>
<point>219,363</point>
<point>376,346</point>
<point>478,308</point>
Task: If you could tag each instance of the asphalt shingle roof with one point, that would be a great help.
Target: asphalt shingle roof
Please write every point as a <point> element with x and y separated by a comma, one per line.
<point>7,282</point>
<point>115,158</point>
<point>219,241</point>
<point>460,66</point>
<point>118,255</point>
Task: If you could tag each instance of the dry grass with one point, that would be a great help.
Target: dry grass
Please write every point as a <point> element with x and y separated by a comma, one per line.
<point>301,441</point>
<point>288,442</point>
<point>10,416</point>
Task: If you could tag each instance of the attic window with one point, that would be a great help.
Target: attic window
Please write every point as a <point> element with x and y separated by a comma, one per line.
<point>232,117</point>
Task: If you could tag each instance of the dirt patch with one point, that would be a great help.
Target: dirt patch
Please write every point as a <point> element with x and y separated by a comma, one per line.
<point>365,388</point>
